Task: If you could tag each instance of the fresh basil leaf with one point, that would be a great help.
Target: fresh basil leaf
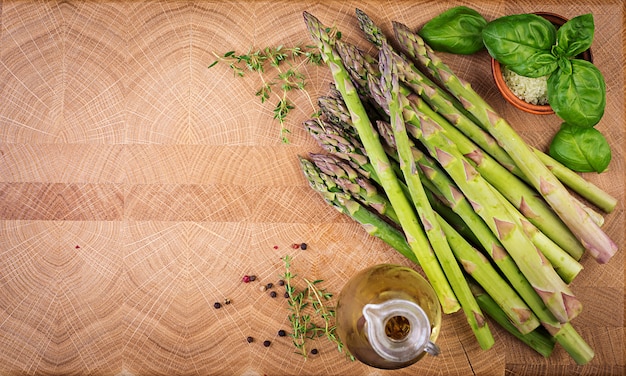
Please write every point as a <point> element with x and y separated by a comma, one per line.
<point>581,149</point>
<point>537,65</point>
<point>575,36</point>
<point>457,30</point>
<point>523,43</point>
<point>577,92</point>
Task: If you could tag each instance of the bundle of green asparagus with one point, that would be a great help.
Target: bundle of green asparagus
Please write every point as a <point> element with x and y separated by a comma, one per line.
<point>431,169</point>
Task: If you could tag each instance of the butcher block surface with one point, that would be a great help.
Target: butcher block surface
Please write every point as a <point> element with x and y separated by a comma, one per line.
<point>138,187</point>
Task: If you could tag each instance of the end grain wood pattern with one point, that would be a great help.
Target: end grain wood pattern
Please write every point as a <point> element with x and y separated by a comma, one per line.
<point>137,187</point>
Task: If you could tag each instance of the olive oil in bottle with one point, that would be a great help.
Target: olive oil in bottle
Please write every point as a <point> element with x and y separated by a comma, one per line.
<point>388,316</point>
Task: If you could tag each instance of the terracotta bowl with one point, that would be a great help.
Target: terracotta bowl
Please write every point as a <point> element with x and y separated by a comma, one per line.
<point>496,69</point>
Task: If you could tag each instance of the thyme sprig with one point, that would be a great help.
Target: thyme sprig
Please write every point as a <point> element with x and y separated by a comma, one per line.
<point>302,302</point>
<point>286,79</point>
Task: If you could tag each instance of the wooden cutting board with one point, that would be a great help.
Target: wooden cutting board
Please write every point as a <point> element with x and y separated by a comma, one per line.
<point>138,187</point>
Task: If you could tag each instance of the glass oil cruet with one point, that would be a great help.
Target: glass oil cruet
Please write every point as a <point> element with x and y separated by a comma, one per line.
<point>388,316</point>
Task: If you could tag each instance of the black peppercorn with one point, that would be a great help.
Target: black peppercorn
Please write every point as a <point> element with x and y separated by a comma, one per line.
<point>303,246</point>
<point>314,351</point>
<point>250,339</point>
<point>217,305</point>
<point>267,343</point>
<point>286,295</point>
<point>252,277</point>
<point>273,294</point>
<point>281,283</point>
<point>282,333</point>
<point>269,285</point>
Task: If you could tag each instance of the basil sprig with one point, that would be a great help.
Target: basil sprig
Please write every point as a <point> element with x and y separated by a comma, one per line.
<point>531,46</point>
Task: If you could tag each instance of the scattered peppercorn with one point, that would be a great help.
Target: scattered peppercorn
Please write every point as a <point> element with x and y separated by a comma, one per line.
<point>275,247</point>
<point>250,339</point>
<point>314,351</point>
<point>303,246</point>
<point>267,343</point>
<point>286,295</point>
<point>263,288</point>
<point>78,246</point>
<point>246,279</point>
<point>295,246</point>
<point>281,283</point>
<point>269,285</point>
<point>226,301</point>
<point>217,305</point>
<point>282,333</point>
<point>273,294</point>
<point>252,278</point>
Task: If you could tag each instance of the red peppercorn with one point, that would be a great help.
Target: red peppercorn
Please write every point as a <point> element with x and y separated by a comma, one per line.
<point>246,279</point>
<point>295,246</point>
<point>275,247</point>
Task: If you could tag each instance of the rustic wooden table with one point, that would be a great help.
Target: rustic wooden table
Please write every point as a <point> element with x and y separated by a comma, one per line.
<point>137,187</point>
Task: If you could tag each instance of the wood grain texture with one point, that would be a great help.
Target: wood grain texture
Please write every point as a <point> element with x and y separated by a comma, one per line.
<point>137,187</point>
